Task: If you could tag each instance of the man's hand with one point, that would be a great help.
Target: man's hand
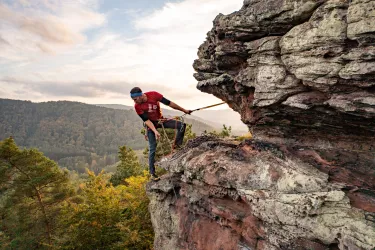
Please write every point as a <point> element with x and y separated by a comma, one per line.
<point>188,111</point>
<point>177,107</point>
<point>146,137</point>
<point>157,135</point>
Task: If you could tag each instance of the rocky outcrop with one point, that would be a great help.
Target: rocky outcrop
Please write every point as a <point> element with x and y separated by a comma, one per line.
<point>302,76</point>
<point>223,194</point>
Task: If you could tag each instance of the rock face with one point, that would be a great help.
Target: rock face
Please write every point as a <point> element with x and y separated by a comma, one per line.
<point>302,76</point>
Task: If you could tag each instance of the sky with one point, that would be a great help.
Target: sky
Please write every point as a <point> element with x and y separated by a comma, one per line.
<point>95,51</point>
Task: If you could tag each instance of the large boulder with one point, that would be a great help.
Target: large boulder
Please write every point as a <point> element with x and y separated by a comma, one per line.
<point>302,76</point>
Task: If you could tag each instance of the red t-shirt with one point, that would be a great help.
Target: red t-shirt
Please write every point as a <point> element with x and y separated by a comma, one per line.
<point>151,107</point>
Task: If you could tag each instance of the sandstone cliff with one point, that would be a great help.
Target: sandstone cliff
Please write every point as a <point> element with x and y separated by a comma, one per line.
<point>302,76</point>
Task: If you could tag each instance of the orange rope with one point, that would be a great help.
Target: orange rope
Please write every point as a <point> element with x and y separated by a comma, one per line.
<point>161,121</point>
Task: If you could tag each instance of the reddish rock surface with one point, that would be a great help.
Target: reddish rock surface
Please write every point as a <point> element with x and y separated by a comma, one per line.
<point>302,76</point>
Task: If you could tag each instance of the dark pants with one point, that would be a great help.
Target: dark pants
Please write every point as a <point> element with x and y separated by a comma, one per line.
<point>152,143</point>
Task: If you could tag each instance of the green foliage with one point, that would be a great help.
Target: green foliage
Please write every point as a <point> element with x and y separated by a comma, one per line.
<point>243,137</point>
<point>129,166</point>
<point>38,209</point>
<point>37,206</point>
<point>70,132</point>
<point>4,240</point>
<point>90,222</point>
<point>136,227</point>
<point>108,217</point>
<point>34,189</point>
<point>189,134</point>
<point>76,135</point>
<point>225,132</point>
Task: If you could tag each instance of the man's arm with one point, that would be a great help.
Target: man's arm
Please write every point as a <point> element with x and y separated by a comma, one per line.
<point>177,107</point>
<point>174,105</point>
<point>152,127</point>
<point>144,117</point>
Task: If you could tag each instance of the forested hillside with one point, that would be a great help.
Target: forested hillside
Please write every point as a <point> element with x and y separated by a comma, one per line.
<point>77,135</point>
<point>214,118</point>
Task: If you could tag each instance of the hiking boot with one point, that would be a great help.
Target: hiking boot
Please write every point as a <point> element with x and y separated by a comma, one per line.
<point>154,177</point>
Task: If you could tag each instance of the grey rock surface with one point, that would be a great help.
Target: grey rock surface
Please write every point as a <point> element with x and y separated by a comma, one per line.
<point>302,76</point>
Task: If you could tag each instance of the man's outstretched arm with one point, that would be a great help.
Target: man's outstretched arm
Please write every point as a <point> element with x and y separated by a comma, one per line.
<point>177,107</point>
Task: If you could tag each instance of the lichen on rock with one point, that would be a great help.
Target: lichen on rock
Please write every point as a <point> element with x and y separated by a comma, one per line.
<point>302,76</point>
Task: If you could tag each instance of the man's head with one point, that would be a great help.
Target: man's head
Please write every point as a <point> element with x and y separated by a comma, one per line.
<point>137,95</point>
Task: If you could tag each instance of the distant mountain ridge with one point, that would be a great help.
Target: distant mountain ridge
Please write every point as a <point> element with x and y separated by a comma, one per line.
<point>64,129</point>
<point>214,118</point>
<point>166,113</point>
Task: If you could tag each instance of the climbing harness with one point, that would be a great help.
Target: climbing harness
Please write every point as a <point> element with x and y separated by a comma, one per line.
<point>178,119</point>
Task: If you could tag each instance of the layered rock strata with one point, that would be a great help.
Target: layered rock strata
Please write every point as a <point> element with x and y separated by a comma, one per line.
<point>222,194</point>
<point>302,76</point>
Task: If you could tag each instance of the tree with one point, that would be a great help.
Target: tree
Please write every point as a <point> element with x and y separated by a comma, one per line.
<point>136,227</point>
<point>90,221</point>
<point>108,217</point>
<point>189,134</point>
<point>225,132</point>
<point>68,132</point>
<point>129,166</point>
<point>35,188</point>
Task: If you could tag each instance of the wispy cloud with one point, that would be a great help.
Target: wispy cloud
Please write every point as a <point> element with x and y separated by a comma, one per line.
<point>158,57</point>
<point>48,28</point>
<point>31,28</point>
<point>84,89</point>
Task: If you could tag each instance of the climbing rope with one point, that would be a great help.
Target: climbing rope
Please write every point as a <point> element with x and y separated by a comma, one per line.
<point>177,119</point>
<point>165,135</point>
<point>181,119</point>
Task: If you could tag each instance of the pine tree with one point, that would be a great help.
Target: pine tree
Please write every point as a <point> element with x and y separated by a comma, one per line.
<point>129,166</point>
<point>189,134</point>
<point>91,222</point>
<point>136,228</point>
<point>226,131</point>
<point>108,217</point>
<point>35,187</point>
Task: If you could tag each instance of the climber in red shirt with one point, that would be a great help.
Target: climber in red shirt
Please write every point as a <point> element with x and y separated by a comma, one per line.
<point>147,106</point>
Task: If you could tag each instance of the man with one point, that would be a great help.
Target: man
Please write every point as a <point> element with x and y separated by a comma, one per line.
<point>147,106</point>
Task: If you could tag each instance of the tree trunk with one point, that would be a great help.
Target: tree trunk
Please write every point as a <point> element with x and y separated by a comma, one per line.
<point>46,222</point>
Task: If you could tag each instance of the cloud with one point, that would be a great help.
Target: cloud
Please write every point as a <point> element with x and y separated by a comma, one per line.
<point>164,50</point>
<point>46,28</point>
<point>3,41</point>
<point>186,15</point>
<point>65,89</point>
<point>31,28</point>
<point>82,88</point>
<point>103,69</point>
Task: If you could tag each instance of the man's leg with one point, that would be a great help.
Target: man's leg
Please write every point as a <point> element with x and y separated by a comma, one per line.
<point>180,130</point>
<point>151,150</point>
